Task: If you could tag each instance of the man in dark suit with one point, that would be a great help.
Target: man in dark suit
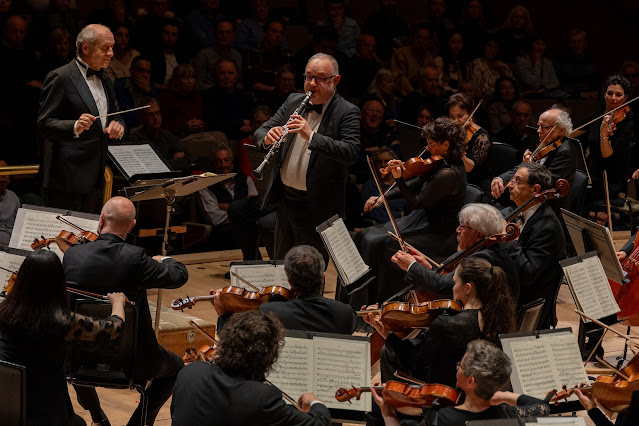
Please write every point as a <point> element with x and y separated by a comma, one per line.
<point>232,391</point>
<point>309,311</point>
<point>109,264</point>
<point>310,169</point>
<point>72,99</point>
<point>476,221</point>
<point>554,125</point>
<point>541,244</point>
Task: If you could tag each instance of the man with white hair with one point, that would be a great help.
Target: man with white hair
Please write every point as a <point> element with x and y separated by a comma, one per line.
<point>109,263</point>
<point>74,101</point>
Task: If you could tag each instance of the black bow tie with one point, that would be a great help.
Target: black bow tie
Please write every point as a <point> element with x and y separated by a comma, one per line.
<point>316,108</point>
<point>91,71</point>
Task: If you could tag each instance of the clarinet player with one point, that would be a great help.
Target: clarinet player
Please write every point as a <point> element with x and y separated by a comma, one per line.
<point>310,167</point>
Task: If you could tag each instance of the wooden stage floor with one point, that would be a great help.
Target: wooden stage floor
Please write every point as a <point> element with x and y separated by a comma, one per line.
<point>206,271</point>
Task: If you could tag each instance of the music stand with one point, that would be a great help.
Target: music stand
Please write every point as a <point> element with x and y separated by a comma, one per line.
<point>410,139</point>
<point>169,190</point>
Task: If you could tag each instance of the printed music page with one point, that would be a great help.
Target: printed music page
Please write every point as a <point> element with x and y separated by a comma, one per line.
<point>293,372</point>
<point>9,261</point>
<point>589,286</point>
<point>31,224</point>
<point>545,363</point>
<point>138,159</point>
<point>341,363</point>
<point>260,276</point>
<point>345,255</point>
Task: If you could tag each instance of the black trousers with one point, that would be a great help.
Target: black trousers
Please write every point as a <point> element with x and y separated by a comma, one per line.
<point>164,371</point>
<point>244,215</point>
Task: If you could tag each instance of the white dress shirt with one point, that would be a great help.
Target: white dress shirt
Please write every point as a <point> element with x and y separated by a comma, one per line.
<point>97,91</point>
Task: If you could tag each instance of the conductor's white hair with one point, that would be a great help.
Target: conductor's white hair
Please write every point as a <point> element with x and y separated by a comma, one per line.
<point>88,35</point>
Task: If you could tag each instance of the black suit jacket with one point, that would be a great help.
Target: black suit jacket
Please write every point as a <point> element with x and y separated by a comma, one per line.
<point>541,246</point>
<point>109,265</point>
<point>72,164</point>
<point>562,164</point>
<point>205,395</point>
<point>334,147</point>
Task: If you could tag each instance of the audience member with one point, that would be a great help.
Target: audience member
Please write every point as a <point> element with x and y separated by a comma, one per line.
<point>505,95</point>
<point>324,40</point>
<point>439,24</point>
<point>428,92</point>
<point>9,205</point>
<point>347,29</point>
<point>408,60</point>
<point>167,53</point>
<point>131,91</point>
<point>57,51</point>
<point>263,61</point>
<point>250,32</point>
<point>149,25</point>
<point>216,199</point>
<point>201,23</point>
<point>576,70</point>
<point>168,147</point>
<point>473,27</point>
<point>205,60</point>
<point>284,86</point>
<point>452,64</point>
<point>123,54</point>
<point>369,189</point>
<point>359,71</point>
<point>516,133</point>
<point>227,108</point>
<point>515,33</point>
<point>58,15</point>
<point>630,70</point>
<point>485,71</point>
<point>383,87</point>
<point>424,115</point>
<point>182,105</point>
<point>114,14</point>
<point>536,73</point>
<point>387,27</point>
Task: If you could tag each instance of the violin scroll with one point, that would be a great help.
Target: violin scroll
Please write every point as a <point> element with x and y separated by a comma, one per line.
<point>345,395</point>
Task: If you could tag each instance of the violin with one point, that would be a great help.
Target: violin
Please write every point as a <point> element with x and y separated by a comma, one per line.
<point>406,398</point>
<point>235,299</point>
<point>417,166</point>
<point>617,117</point>
<point>468,124</point>
<point>627,295</point>
<point>204,353</point>
<point>542,152</point>
<point>576,132</point>
<point>11,281</point>
<point>65,239</point>
<point>402,316</point>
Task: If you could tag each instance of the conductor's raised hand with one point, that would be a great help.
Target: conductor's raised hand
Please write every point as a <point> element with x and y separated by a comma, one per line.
<point>84,122</point>
<point>299,125</point>
<point>497,187</point>
<point>397,168</point>
<point>273,135</point>
<point>115,130</point>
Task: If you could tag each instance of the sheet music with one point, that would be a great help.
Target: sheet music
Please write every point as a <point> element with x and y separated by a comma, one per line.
<point>11,262</point>
<point>590,288</point>
<point>260,276</point>
<point>545,363</point>
<point>138,159</point>
<point>293,371</point>
<point>345,253</point>
<point>338,365</point>
<point>31,224</point>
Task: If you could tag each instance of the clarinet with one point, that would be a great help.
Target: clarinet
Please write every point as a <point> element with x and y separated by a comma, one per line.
<point>276,145</point>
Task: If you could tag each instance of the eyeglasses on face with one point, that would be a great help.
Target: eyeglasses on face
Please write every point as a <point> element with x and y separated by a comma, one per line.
<point>545,127</point>
<point>458,366</point>
<point>318,80</point>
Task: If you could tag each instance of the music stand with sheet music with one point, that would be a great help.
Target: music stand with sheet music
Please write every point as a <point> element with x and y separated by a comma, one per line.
<point>169,190</point>
<point>410,138</point>
<point>155,167</point>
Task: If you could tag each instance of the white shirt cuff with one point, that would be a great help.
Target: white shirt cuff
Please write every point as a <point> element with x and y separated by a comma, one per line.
<point>317,401</point>
<point>75,133</point>
<point>411,264</point>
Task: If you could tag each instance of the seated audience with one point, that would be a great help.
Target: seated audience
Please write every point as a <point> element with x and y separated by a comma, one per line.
<point>517,133</point>
<point>383,86</point>
<point>576,70</point>
<point>347,29</point>
<point>515,33</point>
<point>9,205</point>
<point>57,51</point>
<point>200,23</point>
<point>473,27</point>
<point>452,64</point>
<point>165,143</point>
<point>149,24</point>
<point>360,69</point>
<point>440,25</point>
<point>123,54</point>
<point>369,189</point>
<point>407,61</point>
<point>428,92</point>
<point>167,52</point>
<point>424,116</point>
<point>130,92</point>
<point>323,40</point>
<point>250,32</point>
<point>205,60</point>
<point>387,27</point>
<point>485,70</point>
<point>35,318</point>
<point>231,391</point>
<point>182,105</point>
<point>536,73</point>
<point>505,95</point>
<point>481,373</point>
<point>309,310</point>
<point>284,86</point>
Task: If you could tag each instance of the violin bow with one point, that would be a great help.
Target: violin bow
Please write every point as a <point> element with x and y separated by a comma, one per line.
<point>386,205</point>
<point>604,114</point>
<point>201,330</point>
<point>8,270</point>
<point>607,327</point>
<point>285,395</point>
<point>66,222</point>
<point>470,117</point>
<point>408,378</point>
<point>431,261</point>
<point>607,194</point>
<point>245,281</point>
<point>541,144</point>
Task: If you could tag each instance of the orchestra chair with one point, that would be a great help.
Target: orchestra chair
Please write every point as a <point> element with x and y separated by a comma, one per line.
<point>107,190</point>
<point>553,306</point>
<point>578,192</point>
<point>13,394</point>
<point>528,315</point>
<point>474,194</point>
<point>502,158</point>
<point>107,365</point>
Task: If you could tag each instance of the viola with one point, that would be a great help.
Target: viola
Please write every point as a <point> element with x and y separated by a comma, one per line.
<point>235,299</point>
<point>417,166</point>
<point>402,316</point>
<point>405,398</point>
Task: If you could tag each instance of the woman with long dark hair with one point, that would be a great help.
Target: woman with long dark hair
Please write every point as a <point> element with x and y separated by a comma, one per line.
<point>36,326</point>
<point>452,64</point>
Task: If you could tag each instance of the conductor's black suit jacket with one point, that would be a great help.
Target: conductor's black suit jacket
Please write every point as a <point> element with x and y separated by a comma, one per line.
<point>73,164</point>
<point>110,265</point>
<point>333,147</point>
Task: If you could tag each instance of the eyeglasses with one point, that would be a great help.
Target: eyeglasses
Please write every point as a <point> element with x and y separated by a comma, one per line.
<point>543,127</point>
<point>464,226</point>
<point>517,181</point>
<point>318,80</point>
<point>458,365</point>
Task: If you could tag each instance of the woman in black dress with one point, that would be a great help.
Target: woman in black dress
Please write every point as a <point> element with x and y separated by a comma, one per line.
<point>36,327</point>
<point>430,227</point>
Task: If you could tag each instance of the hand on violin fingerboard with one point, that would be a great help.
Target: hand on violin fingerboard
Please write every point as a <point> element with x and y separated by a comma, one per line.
<point>216,302</point>
<point>527,156</point>
<point>375,320</point>
<point>388,412</point>
<point>587,402</point>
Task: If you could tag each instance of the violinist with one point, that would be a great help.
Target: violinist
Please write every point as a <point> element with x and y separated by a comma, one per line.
<point>477,142</point>
<point>476,221</point>
<point>554,125</point>
<point>110,264</point>
<point>36,327</point>
<point>488,311</point>
<point>610,142</point>
<point>628,418</point>
<point>230,390</point>
<point>541,243</point>
<point>482,372</point>
<point>430,227</point>
<point>309,311</point>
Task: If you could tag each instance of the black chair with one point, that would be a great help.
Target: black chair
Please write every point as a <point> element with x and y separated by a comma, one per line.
<point>528,315</point>
<point>578,192</point>
<point>474,194</point>
<point>107,364</point>
<point>502,158</point>
<point>553,306</point>
<point>13,394</point>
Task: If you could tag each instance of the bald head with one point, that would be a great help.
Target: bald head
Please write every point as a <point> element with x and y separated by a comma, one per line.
<point>117,216</point>
<point>14,32</point>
